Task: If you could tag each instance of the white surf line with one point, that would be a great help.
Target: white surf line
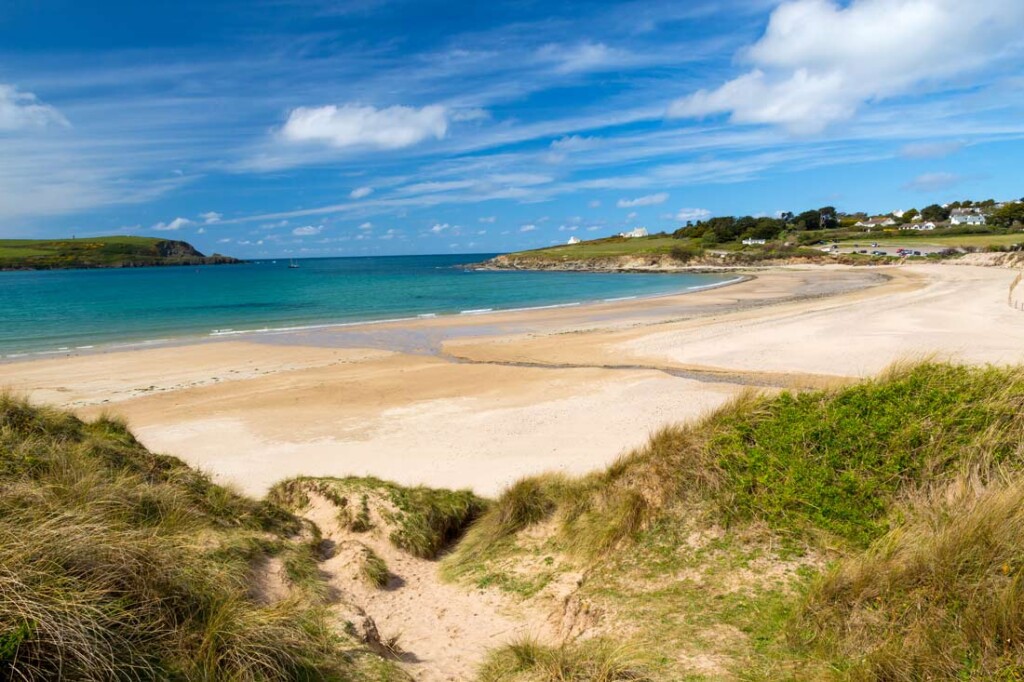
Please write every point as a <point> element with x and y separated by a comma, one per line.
<point>717,284</point>
<point>620,298</point>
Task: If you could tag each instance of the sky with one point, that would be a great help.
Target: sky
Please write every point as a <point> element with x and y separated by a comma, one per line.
<point>298,128</point>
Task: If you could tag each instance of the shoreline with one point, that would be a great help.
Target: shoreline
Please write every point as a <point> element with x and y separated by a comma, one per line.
<point>215,334</point>
<point>478,401</point>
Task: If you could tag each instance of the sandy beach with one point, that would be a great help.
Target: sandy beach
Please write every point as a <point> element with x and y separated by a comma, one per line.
<point>478,401</point>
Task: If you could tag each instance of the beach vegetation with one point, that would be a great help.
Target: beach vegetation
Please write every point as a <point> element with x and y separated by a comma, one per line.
<point>423,521</point>
<point>116,563</point>
<point>595,660</point>
<point>869,531</point>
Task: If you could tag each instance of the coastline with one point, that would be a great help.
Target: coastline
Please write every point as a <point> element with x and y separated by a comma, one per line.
<point>480,400</point>
<point>188,338</point>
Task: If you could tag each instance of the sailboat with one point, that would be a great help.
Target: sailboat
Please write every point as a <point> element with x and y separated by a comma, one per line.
<point>292,264</point>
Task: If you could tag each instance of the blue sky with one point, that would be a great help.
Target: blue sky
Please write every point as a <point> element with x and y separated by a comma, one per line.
<point>362,127</point>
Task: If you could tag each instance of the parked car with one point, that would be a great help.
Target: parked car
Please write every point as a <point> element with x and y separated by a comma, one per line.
<point>879,253</point>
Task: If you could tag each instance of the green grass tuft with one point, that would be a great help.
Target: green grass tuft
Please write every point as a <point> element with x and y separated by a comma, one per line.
<point>596,660</point>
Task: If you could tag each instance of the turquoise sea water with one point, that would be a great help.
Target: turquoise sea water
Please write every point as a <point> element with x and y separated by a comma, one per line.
<point>44,311</point>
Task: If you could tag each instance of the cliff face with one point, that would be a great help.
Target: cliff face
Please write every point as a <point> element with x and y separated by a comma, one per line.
<point>185,253</point>
<point>170,248</point>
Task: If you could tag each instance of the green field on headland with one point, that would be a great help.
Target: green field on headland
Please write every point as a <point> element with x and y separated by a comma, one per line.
<point>100,252</point>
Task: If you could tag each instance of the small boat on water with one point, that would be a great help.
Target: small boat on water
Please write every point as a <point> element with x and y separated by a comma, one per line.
<point>292,264</point>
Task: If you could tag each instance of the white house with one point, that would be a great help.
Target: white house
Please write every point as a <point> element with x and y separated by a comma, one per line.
<point>750,241</point>
<point>966,216</point>
<point>880,221</point>
<point>636,232</point>
<point>920,227</point>
<point>574,240</point>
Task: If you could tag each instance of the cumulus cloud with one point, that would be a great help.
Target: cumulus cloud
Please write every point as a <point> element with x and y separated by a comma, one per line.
<point>488,219</point>
<point>366,226</point>
<point>819,61</point>
<point>361,192</point>
<point>21,110</point>
<point>175,224</point>
<point>930,150</point>
<point>211,217</point>
<point>527,228</point>
<point>307,230</point>
<point>688,214</point>
<point>364,126</point>
<point>201,230</point>
<point>933,182</point>
<point>648,200</point>
<point>440,227</point>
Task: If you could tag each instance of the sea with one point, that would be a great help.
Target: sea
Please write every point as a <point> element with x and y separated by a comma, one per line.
<point>61,311</point>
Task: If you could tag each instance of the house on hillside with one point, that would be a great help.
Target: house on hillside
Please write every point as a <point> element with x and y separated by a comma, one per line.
<point>634,233</point>
<point>966,216</point>
<point>750,241</point>
<point>920,227</point>
<point>574,240</point>
<point>880,221</point>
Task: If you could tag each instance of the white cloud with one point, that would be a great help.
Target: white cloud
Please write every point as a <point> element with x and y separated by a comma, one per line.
<point>631,215</point>
<point>583,57</point>
<point>21,110</point>
<point>488,219</point>
<point>211,217</point>
<point>440,227</point>
<point>933,182</point>
<point>201,230</point>
<point>225,240</point>
<point>648,200</point>
<point>366,226</point>
<point>361,192</point>
<point>819,61</point>
<point>175,224</point>
<point>593,228</point>
<point>688,214</point>
<point>364,126</point>
<point>930,150</point>
<point>596,203</point>
<point>527,228</point>
<point>574,143</point>
<point>307,230</point>
<point>464,115</point>
<point>481,232</point>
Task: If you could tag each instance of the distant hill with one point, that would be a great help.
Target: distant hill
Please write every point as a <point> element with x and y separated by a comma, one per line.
<point>101,252</point>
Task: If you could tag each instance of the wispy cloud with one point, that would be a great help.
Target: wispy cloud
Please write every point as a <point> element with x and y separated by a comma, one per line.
<point>646,200</point>
<point>933,182</point>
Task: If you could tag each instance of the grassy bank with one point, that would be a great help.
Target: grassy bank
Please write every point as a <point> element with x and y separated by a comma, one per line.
<point>100,252</point>
<point>862,533</point>
<point>116,563</point>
